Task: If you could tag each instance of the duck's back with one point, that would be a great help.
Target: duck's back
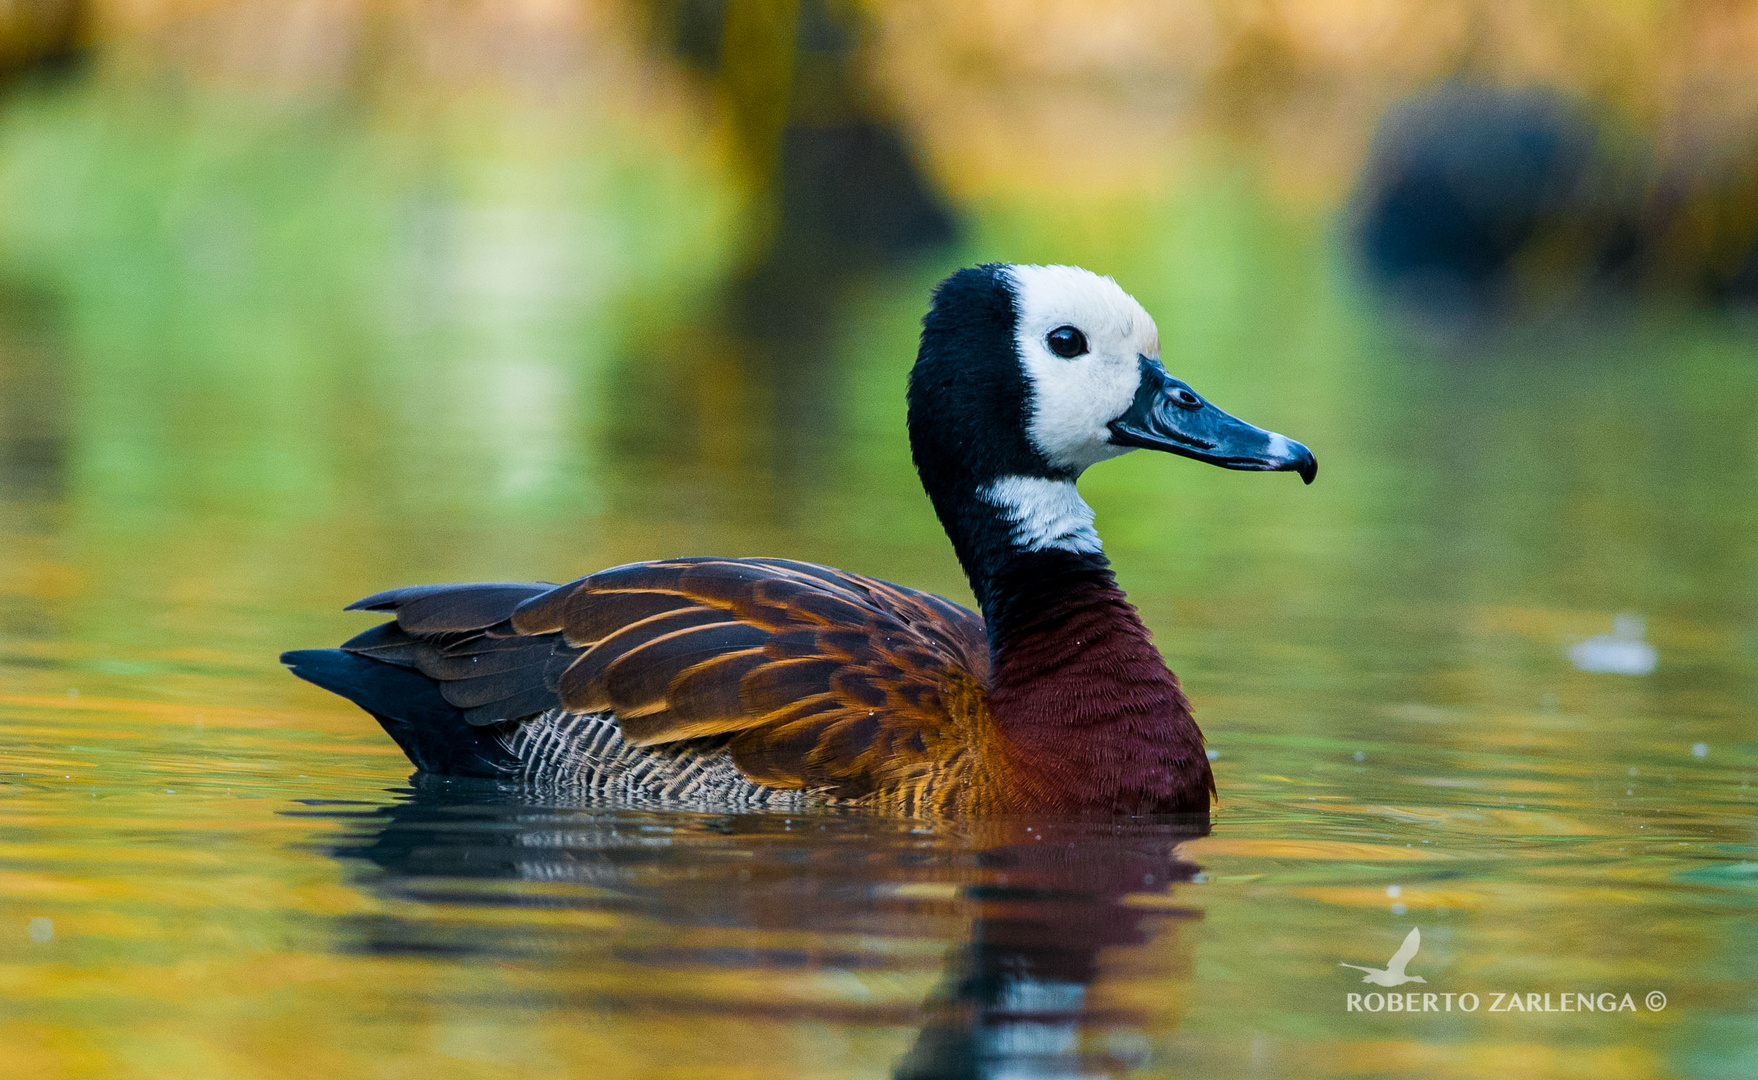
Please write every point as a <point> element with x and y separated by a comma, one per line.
<point>732,681</point>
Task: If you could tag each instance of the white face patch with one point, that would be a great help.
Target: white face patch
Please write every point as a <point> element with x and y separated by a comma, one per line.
<point>1044,513</point>
<point>1074,400</point>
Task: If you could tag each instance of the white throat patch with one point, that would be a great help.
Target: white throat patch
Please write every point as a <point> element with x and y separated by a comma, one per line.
<point>1074,400</point>
<point>1045,513</point>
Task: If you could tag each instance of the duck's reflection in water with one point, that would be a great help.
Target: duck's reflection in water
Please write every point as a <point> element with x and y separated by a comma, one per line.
<point>1045,912</point>
<point>1048,898</point>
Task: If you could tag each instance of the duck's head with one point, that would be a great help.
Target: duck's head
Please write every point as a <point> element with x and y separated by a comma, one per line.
<point>1027,375</point>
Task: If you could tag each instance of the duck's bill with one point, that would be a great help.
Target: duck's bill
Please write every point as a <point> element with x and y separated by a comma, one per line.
<point>1168,415</point>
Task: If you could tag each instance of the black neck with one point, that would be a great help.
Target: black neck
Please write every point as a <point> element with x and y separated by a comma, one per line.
<point>1038,587</point>
<point>1014,586</point>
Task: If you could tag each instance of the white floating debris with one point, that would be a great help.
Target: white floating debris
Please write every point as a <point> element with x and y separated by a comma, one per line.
<point>1213,755</point>
<point>1621,652</point>
<point>1399,909</point>
<point>41,930</point>
<point>1359,756</point>
<point>1394,891</point>
<point>1699,749</point>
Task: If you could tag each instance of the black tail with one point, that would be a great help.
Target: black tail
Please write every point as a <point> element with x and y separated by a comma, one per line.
<point>410,707</point>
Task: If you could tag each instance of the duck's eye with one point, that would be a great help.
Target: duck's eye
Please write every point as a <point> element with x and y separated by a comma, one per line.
<point>1186,399</point>
<point>1067,342</point>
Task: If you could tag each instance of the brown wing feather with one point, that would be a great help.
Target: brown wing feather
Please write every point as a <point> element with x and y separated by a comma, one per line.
<point>825,680</point>
<point>458,635</point>
<point>828,680</point>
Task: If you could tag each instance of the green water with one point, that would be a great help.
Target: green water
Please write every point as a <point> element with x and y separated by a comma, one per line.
<point>257,362</point>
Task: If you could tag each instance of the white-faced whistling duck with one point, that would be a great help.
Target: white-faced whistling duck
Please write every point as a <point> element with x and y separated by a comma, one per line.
<point>745,682</point>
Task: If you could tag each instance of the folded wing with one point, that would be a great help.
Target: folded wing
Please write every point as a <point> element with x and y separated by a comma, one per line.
<point>817,678</point>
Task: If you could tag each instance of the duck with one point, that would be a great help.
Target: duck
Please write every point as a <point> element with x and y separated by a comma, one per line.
<point>771,683</point>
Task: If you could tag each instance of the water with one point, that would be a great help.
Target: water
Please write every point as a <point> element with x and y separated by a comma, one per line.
<point>215,435</point>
